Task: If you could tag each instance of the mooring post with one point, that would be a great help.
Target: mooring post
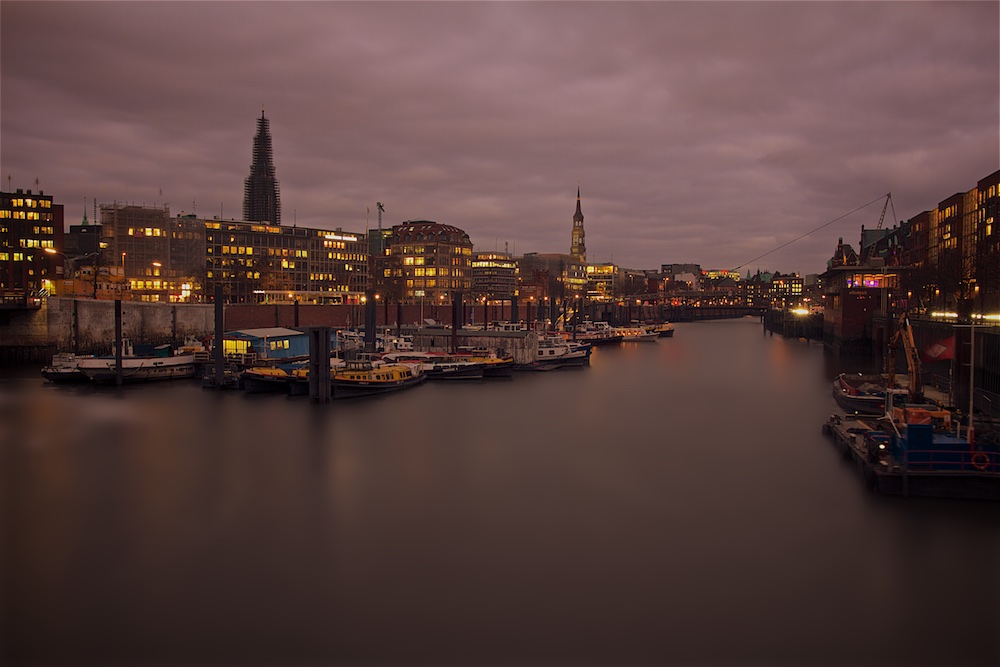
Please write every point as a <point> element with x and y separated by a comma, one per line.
<point>370,317</point>
<point>218,353</point>
<point>118,342</point>
<point>75,330</point>
<point>456,319</point>
<point>319,365</point>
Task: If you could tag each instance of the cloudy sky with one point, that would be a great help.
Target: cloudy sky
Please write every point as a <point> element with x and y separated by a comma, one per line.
<point>709,132</point>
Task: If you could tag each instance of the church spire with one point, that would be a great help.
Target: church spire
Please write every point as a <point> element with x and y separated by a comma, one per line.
<point>261,202</point>
<point>578,249</point>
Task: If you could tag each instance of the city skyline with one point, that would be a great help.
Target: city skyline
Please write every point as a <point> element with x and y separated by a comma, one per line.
<point>710,133</point>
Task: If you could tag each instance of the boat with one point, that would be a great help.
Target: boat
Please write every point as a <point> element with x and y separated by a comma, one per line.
<point>597,333</point>
<point>495,365</point>
<point>637,333</point>
<point>268,379</point>
<point>231,378</point>
<point>438,366</point>
<point>866,394</point>
<point>860,394</point>
<point>162,364</point>
<point>917,450</point>
<point>298,377</point>
<point>65,368</point>
<point>556,351</point>
<point>664,330</point>
<point>914,448</point>
<point>365,378</point>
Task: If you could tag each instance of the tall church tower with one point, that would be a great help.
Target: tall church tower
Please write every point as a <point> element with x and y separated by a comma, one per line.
<point>578,249</point>
<point>260,191</point>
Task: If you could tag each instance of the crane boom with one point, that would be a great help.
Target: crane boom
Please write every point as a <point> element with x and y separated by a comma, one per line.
<point>904,337</point>
<point>881,218</point>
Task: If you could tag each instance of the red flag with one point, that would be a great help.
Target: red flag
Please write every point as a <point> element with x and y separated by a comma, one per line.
<point>943,350</point>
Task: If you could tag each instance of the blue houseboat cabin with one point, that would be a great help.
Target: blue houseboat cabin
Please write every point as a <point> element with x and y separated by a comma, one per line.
<point>268,343</point>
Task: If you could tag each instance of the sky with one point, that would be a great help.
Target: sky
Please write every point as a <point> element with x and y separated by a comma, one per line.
<point>697,132</point>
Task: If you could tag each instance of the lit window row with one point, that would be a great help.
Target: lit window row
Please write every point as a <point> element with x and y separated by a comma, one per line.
<point>24,215</point>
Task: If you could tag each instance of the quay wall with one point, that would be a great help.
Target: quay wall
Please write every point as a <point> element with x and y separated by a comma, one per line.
<point>87,326</point>
<point>791,325</point>
<point>24,337</point>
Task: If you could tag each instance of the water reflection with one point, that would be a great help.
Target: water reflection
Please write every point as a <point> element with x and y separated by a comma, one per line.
<point>675,502</point>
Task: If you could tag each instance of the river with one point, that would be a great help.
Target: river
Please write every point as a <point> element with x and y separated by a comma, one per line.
<point>674,503</point>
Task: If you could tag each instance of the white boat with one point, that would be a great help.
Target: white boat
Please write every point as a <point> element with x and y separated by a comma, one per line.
<point>636,333</point>
<point>65,368</point>
<point>160,366</point>
<point>438,366</point>
<point>553,348</point>
<point>597,333</point>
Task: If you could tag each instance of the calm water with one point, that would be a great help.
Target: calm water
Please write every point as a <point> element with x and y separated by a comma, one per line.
<point>674,503</point>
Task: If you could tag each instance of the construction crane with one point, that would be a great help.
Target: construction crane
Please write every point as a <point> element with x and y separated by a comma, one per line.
<point>888,203</point>
<point>904,337</point>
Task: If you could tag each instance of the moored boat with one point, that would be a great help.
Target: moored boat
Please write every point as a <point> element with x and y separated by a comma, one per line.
<point>637,334</point>
<point>598,333</point>
<point>267,379</point>
<point>555,351</point>
<point>494,365</point>
<point>161,365</point>
<point>916,450</point>
<point>860,394</point>
<point>664,330</point>
<point>65,368</point>
<point>364,378</point>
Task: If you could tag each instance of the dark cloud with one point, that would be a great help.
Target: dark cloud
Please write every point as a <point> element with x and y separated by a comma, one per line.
<point>698,132</point>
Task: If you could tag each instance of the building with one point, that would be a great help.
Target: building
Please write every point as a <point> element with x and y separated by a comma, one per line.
<point>683,273</point>
<point>578,248</point>
<point>854,292</point>
<point>30,224</point>
<point>429,260</point>
<point>494,276</point>
<point>786,290</point>
<point>987,234</point>
<point>259,263</point>
<point>83,239</point>
<point>603,282</point>
<point>137,239</point>
<point>261,201</point>
<point>184,268</point>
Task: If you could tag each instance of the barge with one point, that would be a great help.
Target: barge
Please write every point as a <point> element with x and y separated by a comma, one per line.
<point>914,451</point>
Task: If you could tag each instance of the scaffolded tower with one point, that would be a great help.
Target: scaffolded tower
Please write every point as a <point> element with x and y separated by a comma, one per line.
<point>578,249</point>
<point>260,190</point>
